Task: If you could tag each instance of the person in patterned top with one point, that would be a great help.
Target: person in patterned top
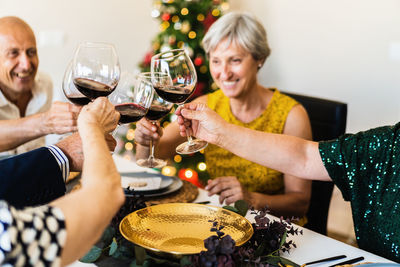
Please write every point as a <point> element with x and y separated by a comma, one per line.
<point>236,45</point>
<point>61,232</point>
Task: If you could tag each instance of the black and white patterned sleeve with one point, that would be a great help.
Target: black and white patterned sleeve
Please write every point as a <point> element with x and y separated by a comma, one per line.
<point>31,236</point>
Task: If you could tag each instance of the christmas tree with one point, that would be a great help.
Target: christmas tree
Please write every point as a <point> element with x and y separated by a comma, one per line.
<point>183,24</point>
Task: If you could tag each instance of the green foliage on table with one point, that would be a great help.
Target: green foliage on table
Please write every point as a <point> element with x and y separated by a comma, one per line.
<point>113,247</point>
<point>93,255</point>
<point>240,207</point>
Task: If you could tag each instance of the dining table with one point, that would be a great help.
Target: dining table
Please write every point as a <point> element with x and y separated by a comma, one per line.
<point>310,245</point>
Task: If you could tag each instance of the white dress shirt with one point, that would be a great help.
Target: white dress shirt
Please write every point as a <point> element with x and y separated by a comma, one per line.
<point>42,95</point>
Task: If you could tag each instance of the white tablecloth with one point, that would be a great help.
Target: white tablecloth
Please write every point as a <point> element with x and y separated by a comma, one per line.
<point>310,246</point>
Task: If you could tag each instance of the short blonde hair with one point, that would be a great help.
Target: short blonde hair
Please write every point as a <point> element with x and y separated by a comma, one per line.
<point>241,28</point>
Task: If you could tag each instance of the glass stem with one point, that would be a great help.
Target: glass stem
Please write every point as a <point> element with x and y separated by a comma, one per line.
<point>151,150</point>
<point>151,156</point>
<point>115,132</point>
<point>189,138</point>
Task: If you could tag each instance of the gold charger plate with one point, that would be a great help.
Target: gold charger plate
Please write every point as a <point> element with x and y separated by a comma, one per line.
<point>177,229</point>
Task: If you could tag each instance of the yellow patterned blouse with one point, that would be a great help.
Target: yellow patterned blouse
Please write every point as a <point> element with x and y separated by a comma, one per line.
<point>254,177</point>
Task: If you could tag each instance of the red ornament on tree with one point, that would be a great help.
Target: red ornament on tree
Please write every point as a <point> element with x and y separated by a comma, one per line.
<point>200,87</point>
<point>198,61</point>
<point>190,176</point>
<point>208,21</point>
<point>147,58</point>
<point>171,40</point>
<point>165,16</point>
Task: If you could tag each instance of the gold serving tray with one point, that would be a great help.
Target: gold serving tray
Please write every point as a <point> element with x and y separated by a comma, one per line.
<point>178,229</point>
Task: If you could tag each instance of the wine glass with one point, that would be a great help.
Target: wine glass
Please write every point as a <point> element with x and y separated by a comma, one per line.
<point>178,65</point>
<point>132,98</point>
<point>70,91</point>
<point>95,69</point>
<point>158,109</point>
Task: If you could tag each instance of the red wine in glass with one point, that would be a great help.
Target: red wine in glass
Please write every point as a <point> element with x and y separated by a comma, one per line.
<point>157,112</point>
<point>93,89</point>
<point>174,94</point>
<point>130,112</point>
<point>79,100</point>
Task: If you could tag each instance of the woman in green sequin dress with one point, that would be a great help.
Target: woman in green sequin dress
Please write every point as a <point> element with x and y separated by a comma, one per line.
<point>365,167</point>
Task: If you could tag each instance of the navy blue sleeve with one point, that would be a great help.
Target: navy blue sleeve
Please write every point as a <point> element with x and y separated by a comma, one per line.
<point>31,179</point>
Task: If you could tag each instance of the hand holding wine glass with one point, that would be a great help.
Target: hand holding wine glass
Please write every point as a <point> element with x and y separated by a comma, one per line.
<point>158,109</point>
<point>95,69</point>
<point>200,121</point>
<point>178,65</point>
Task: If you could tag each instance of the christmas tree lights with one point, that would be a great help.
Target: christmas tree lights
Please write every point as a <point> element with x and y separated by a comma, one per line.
<point>183,24</point>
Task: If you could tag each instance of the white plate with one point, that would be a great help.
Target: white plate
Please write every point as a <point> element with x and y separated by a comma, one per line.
<point>175,186</point>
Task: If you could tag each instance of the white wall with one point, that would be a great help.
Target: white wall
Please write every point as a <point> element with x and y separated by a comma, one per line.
<point>347,50</point>
<point>125,23</point>
<point>338,49</point>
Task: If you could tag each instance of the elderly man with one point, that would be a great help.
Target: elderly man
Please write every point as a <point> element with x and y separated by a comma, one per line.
<point>26,112</point>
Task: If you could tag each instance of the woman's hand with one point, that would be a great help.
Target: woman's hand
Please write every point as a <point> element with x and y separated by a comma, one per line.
<point>146,131</point>
<point>99,113</point>
<point>200,121</point>
<point>229,189</point>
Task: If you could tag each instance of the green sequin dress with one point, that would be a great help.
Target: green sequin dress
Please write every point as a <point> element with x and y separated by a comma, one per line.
<point>366,168</point>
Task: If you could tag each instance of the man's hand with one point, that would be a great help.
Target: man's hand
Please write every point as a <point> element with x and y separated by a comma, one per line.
<point>72,148</point>
<point>60,118</point>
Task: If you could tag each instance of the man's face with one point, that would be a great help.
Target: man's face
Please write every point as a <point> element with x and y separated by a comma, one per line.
<point>18,59</point>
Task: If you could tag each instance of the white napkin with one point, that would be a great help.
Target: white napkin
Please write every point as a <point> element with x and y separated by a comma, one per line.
<point>141,184</point>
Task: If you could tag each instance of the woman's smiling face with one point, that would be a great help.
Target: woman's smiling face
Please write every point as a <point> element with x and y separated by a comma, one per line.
<point>233,69</point>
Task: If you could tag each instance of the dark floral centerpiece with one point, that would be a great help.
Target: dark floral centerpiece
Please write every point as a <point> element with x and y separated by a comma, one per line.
<point>263,249</point>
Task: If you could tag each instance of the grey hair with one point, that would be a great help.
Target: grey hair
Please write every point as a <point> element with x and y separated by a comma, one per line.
<point>241,28</point>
